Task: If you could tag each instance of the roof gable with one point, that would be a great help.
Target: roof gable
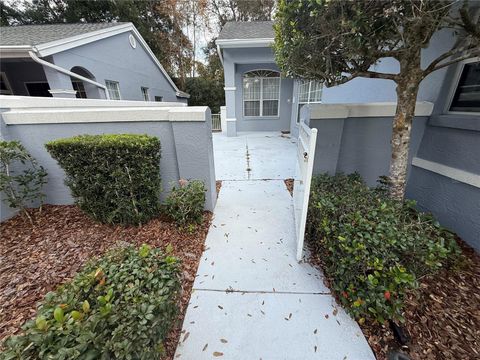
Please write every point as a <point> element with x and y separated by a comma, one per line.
<point>40,34</point>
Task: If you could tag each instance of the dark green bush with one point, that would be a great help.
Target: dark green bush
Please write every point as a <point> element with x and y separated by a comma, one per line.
<point>373,248</point>
<point>186,202</point>
<point>113,178</point>
<point>119,307</point>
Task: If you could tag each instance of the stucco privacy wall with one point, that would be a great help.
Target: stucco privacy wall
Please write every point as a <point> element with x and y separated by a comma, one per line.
<point>184,132</point>
<point>114,59</point>
<point>444,161</point>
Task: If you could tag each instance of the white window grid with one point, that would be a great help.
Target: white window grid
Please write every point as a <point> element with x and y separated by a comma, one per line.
<point>113,88</point>
<point>261,94</point>
<point>309,91</point>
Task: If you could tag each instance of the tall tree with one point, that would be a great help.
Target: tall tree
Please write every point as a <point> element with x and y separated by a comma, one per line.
<point>336,41</point>
<point>242,10</point>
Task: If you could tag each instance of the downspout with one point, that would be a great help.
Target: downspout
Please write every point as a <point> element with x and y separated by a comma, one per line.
<point>219,51</point>
<point>67,72</point>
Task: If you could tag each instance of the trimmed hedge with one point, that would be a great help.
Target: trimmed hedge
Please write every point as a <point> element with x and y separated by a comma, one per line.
<point>373,249</point>
<point>113,178</point>
<point>119,307</point>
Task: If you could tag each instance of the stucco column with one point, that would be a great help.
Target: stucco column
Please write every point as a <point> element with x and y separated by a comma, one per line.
<point>60,84</point>
<point>230,95</point>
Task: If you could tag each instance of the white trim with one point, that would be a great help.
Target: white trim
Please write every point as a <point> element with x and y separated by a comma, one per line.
<point>238,43</point>
<point>117,88</point>
<point>104,115</point>
<point>230,88</point>
<point>463,176</point>
<point>231,119</point>
<point>15,51</point>
<point>454,85</point>
<point>9,90</point>
<point>62,91</point>
<point>28,102</point>
<point>384,109</point>
<point>35,58</point>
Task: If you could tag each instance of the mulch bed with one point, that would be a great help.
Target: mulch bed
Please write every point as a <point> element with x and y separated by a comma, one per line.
<point>35,260</point>
<point>442,320</point>
<point>289,184</point>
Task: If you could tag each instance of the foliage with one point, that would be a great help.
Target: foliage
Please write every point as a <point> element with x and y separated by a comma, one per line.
<point>21,178</point>
<point>205,92</point>
<point>121,306</point>
<point>185,203</point>
<point>113,178</point>
<point>373,248</point>
<point>336,41</point>
<point>241,10</point>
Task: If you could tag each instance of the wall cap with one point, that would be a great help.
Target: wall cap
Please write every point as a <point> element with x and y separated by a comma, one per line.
<point>104,115</point>
<point>463,176</point>
<point>381,109</point>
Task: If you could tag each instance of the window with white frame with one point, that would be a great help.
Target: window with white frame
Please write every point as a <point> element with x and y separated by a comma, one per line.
<point>261,93</point>
<point>145,95</point>
<point>309,92</point>
<point>113,88</point>
<point>79,87</point>
<point>466,97</point>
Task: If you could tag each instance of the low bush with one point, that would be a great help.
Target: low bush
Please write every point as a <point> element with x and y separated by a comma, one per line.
<point>113,178</point>
<point>21,178</point>
<point>119,307</point>
<point>186,202</point>
<point>373,249</point>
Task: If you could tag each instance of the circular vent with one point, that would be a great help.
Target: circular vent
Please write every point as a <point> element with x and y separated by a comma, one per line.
<point>133,42</point>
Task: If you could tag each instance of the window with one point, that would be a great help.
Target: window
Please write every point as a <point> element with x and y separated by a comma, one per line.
<point>145,95</point>
<point>158,98</point>
<point>309,91</point>
<point>467,94</point>
<point>80,89</point>
<point>38,89</point>
<point>113,88</point>
<point>5,88</point>
<point>261,93</point>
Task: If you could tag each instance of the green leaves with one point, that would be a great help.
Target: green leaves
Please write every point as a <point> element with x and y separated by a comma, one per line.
<point>372,247</point>
<point>126,318</point>
<point>21,178</point>
<point>185,203</point>
<point>113,178</point>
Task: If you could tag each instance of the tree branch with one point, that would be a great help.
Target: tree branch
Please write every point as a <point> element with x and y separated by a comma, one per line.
<point>436,64</point>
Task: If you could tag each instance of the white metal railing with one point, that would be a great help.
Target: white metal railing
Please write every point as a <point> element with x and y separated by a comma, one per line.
<point>216,122</point>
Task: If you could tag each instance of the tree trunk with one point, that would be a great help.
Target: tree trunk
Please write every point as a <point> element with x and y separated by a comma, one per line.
<point>407,90</point>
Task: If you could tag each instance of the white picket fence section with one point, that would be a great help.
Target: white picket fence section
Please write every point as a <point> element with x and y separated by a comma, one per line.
<point>307,140</point>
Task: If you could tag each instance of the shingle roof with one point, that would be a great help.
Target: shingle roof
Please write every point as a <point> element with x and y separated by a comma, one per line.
<point>40,34</point>
<point>247,30</point>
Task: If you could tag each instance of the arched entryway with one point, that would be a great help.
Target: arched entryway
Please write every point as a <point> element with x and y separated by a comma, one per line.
<point>84,90</point>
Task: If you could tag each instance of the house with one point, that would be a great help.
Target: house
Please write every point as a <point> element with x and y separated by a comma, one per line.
<point>354,121</point>
<point>95,61</point>
<point>259,98</point>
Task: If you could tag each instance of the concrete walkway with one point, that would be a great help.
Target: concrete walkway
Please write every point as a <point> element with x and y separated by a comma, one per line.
<point>252,299</point>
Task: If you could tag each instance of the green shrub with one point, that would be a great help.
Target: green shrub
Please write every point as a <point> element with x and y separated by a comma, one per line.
<point>373,248</point>
<point>113,178</point>
<point>185,203</point>
<point>21,178</point>
<point>119,307</point>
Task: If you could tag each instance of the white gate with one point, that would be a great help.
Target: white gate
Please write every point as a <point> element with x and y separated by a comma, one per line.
<point>307,138</point>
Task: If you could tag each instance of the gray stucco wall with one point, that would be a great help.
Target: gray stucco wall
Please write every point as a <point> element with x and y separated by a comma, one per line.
<point>114,59</point>
<point>359,145</point>
<point>187,151</point>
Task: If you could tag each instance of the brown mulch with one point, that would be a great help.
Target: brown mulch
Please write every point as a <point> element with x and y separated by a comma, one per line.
<point>218,186</point>
<point>35,260</point>
<point>289,185</point>
<point>442,319</point>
